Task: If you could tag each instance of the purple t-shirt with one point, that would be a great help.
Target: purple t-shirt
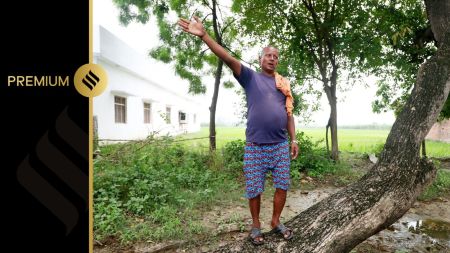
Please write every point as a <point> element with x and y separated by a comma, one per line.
<point>266,108</point>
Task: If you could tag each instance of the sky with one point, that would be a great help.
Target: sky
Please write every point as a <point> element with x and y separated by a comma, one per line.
<point>354,106</point>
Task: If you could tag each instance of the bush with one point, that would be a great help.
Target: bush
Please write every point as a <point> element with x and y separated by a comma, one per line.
<point>149,181</point>
<point>233,156</point>
<point>313,158</point>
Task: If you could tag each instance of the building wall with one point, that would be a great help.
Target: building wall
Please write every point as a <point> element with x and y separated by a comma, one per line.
<point>440,131</point>
<point>129,76</point>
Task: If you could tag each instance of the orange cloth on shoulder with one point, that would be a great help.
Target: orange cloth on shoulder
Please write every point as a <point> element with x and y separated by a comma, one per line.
<point>284,86</point>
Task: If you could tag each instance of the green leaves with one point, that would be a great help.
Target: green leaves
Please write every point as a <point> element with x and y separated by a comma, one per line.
<point>407,42</point>
<point>162,53</point>
<point>228,84</point>
<point>188,53</point>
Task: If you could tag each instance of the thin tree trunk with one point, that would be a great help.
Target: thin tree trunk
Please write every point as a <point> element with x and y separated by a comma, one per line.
<point>333,127</point>
<point>345,219</point>
<point>218,76</point>
<point>326,136</point>
<point>330,91</point>
<point>333,106</point>
<point>212,108</point>
<point>424,151</point>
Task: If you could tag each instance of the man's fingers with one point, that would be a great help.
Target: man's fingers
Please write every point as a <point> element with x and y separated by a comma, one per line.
<point>294,151</point>
<point>183,25</point>
<point>295,154</point>
<point>184,20</point>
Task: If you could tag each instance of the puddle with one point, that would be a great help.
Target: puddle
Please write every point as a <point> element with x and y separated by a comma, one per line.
<point>434,228</point>
<point>424,228</point>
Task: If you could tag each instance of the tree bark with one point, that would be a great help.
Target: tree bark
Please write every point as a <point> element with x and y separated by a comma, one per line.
<point>326,136</point>
<point>345,219</point>
<point>424,149</point>
<point>332,100</point>
<point>333,127</point>
<point>218,76</point>
<point>212,108</point>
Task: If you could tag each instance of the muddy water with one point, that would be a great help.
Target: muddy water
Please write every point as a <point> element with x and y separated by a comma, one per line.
<point>424,228</point>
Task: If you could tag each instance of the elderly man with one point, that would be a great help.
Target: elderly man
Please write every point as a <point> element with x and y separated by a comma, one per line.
<point>269,117</point>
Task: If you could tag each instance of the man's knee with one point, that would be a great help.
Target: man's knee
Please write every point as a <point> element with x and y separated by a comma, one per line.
<point>280,190</point>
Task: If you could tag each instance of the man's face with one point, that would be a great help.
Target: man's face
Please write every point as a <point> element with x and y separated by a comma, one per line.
<point>269,59</point>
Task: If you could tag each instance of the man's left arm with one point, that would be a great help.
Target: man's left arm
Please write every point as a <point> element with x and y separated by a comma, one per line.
<point>291,132</point>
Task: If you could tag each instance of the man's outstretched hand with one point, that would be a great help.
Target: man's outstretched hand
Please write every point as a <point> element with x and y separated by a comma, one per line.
<point>195,28</point>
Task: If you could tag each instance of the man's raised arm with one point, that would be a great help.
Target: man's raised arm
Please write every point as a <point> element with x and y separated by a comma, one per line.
<point>197,29</point>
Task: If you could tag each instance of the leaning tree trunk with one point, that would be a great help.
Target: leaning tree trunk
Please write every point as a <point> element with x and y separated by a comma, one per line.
<point>345,219</point>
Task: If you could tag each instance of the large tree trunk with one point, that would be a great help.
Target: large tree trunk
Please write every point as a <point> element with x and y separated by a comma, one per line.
<point>345,219</point>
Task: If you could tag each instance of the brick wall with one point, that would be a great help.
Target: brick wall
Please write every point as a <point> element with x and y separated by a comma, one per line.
<point>440,131</point>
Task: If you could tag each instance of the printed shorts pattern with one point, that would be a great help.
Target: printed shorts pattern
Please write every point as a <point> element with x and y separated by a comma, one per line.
<point>258,159</point>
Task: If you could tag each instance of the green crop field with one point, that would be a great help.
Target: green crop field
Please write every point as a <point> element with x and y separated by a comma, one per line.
<point>351,140</point>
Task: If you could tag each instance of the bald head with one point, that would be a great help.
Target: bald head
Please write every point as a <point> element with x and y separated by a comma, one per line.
<point>265,49</point>
<point>268,60</point>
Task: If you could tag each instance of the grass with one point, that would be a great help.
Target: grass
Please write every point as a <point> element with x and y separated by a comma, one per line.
<point>350,140</point>
<point>440,186</point>
<point>157,190</point>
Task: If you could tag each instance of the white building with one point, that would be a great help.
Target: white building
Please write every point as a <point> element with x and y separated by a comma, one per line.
<point>134,106</point>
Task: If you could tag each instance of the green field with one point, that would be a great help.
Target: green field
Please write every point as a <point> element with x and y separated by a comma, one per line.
<point>351,140</point>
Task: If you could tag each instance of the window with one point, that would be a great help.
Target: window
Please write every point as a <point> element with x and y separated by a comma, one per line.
<point>168,116</point>
<point>120,109</point>
<point>195,118</point>
<point>147,113</point>
<point>182,117</point>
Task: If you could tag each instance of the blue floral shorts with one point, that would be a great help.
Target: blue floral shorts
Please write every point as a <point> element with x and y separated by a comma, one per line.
<point>259,159</point>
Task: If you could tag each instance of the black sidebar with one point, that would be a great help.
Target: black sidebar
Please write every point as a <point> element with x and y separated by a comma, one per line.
<point>45,122</point>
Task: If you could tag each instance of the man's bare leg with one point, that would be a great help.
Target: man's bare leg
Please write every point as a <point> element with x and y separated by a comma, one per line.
<point>255,207</point>
<point>279,199</point>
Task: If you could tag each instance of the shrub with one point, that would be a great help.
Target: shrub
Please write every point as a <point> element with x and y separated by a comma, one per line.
<point>151,181</point>
<point>313,158</point>
<point>233,156</point>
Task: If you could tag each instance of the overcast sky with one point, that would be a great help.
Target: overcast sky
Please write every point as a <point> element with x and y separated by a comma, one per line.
<point>355,109</point>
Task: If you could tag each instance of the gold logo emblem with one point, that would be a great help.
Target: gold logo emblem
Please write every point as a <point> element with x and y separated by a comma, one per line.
<point>90,80</point>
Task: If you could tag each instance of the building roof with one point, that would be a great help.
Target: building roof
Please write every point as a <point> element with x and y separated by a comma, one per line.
<point>111,49</point>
